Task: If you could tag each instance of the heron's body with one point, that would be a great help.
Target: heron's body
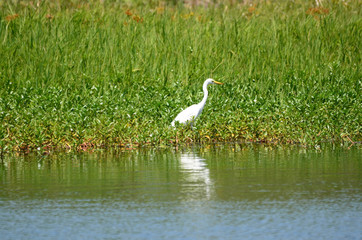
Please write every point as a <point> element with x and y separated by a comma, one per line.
<point>188,115</point>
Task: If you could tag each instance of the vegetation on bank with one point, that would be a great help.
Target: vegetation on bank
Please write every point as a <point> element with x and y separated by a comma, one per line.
<point>85,75</point>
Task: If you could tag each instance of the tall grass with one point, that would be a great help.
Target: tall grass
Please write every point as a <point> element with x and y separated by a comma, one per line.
<point>99,74</point>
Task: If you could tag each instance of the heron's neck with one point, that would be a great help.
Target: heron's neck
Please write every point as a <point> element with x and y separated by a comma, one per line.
<point>203,102</point>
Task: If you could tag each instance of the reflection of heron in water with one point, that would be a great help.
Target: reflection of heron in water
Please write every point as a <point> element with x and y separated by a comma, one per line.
<point>196,180</point>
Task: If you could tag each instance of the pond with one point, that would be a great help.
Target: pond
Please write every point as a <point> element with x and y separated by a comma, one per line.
<point>228,191</point>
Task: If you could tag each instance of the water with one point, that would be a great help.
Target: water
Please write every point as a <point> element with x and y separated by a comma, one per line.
<point>213,192</point>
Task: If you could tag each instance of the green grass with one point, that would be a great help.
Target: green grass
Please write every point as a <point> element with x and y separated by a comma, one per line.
<point>90,75</point>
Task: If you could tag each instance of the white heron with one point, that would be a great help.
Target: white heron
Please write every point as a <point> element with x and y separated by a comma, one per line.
<point>189,115</point>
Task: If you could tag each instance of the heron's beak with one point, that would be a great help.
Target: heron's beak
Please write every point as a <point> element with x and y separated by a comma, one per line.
<point>216,82</point>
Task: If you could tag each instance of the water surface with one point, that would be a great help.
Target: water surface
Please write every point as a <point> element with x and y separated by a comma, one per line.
<point>213,192</point>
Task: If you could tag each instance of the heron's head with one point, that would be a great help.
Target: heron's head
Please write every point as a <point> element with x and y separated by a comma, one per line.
<point>212,81</point>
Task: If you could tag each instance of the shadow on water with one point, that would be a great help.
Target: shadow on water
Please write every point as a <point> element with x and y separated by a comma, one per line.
<point>196,180</point>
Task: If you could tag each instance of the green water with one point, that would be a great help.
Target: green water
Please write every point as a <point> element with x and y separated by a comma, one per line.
<point>201,192</point>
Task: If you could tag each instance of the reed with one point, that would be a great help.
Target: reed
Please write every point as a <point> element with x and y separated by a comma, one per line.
<point>83,76</point>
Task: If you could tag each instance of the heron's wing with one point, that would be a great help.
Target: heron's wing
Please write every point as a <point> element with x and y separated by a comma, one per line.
<point>188,114</point>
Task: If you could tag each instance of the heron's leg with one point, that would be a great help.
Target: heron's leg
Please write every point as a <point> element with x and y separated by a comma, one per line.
<point>192,125</point>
